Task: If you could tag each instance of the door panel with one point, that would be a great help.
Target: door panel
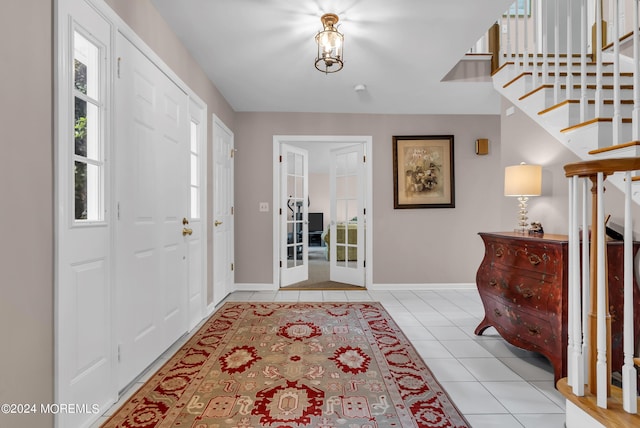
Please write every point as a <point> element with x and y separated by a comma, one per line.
<point>294,182</point>
<point>152,185</point>
<point>347,224</point>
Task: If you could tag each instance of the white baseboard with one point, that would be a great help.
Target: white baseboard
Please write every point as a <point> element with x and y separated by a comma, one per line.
<point>423,287</point>
<point>255,287</point>
<point>373,287</point>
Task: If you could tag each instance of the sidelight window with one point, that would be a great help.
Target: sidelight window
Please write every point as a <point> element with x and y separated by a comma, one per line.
<point>88,152</point>
<point>195,171</point>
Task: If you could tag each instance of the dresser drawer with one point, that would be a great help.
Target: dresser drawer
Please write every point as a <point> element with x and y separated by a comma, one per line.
<point>522,325</point>
<point>519,288</point>
<point>531,257</point>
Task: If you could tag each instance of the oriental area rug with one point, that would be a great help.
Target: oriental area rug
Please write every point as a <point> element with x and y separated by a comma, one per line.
<point>287,365</point>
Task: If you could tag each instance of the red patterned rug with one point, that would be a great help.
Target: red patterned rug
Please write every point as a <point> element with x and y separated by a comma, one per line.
<point>286,365</point>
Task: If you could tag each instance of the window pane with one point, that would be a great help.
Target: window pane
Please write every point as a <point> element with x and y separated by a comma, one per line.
<point>80,191</point>
<point>80,128</point>
<point>194,170</point>
<point>194,137</point>
<point>86,66</point>
<point>195,202</point>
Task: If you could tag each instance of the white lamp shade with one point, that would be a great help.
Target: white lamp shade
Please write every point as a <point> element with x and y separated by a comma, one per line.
<point>523,180</point>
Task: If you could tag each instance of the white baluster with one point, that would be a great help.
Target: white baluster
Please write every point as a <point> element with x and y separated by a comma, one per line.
<point>574,352</point>
<point>509,57</point>
<point>571,308</point>
<point>526,37</point>
<point>636,74</point>
<point>586,278</point>
<point>556,55</point>
<point>584,42</point>
<point>517,37</point>
<point>617,118</point>
<point>629,376</point>
<point>597,49</point>
<point>534,17</point>
<point>601,329</point>
<point>545,42</point>
<point>569,79</point>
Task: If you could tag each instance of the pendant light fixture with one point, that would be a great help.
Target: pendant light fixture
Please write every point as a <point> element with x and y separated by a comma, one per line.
<point>330,43</point>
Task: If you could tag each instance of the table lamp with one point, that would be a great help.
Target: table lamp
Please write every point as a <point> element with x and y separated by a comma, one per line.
<point>523,181</point>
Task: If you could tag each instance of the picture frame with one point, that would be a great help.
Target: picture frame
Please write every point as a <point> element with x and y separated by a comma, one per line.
<point>423,172</point>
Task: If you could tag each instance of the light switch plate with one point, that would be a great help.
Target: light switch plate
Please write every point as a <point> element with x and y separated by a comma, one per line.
<point>264,207</point>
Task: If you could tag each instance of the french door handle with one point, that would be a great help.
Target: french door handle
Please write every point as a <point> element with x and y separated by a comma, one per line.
<point>186,231</point>
<point>217,223</point>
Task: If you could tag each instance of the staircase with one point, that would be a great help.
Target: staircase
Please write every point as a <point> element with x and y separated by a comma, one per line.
<point>590,103</point>
<point>589,100</point>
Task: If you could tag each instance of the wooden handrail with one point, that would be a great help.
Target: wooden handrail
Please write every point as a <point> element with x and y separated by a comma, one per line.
<point>606,166</point>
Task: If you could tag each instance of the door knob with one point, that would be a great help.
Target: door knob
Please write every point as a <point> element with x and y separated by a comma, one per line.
<point>217,223</point>
<point>186,231</point>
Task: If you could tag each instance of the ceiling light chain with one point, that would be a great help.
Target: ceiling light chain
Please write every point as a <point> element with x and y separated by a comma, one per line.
<point>330,44</point>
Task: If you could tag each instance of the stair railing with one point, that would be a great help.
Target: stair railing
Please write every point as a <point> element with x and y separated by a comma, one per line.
<point>555,18</point>
<point>589,334</point>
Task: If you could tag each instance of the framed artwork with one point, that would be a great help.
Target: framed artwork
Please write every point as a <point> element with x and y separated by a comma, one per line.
<point>524,7</point>
<point>423,172</point>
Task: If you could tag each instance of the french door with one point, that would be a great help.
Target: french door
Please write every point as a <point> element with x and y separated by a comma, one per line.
<point>152,231</point>
<point>347,220</point>
<point>294,225</point>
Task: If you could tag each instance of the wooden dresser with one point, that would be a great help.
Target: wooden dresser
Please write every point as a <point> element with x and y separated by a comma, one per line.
<point>523,286</point>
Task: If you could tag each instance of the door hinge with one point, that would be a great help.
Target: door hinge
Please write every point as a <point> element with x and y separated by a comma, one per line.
<point>232,152</point>
<point>232,267</point>
<point>364,211</point>
<point>118,353</point>
<point>118,210</point>
<point>118,70</point>
<point>280,211</point>
<point>281,263</point>
<point>231,210</point>
<point>364,158</point>
<point>280,158</point>
<point>364,263</point>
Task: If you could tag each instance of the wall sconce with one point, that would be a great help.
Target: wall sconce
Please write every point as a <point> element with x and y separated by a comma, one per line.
<point>523,181</point>
<point>330,44</point>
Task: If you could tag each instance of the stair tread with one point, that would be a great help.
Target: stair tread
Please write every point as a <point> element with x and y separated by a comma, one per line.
<point>613,417</point>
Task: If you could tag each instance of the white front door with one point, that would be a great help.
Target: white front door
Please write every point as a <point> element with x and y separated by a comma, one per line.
<point>347,219</point>
<point>152,155</point>
<point>294,211</point>
<point>223,220</point>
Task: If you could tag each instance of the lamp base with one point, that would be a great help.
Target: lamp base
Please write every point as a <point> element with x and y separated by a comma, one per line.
<point>522,217</point>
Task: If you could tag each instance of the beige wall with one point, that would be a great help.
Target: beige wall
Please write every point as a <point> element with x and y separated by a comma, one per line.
<point>145,20</point>
<point>410,245</point>
<point>525,141</point>
<point>26,209</point>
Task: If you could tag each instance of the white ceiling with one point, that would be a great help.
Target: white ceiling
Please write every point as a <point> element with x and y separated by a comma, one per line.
<point>260,53</point>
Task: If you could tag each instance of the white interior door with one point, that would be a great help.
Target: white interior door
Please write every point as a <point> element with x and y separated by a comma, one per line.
<point>347,219</point>
<point>152,155</point>
<point>294,212</point>
<point>223,221</point>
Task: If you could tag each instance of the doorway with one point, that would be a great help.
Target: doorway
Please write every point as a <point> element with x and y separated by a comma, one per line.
<point>335,204</point>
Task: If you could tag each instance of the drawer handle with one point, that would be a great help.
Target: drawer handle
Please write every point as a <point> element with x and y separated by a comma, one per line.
<point>497,312</point>
<point>534,259</point>
<point>493,282</point>
<point>527,293</point>
<point>534,331</point>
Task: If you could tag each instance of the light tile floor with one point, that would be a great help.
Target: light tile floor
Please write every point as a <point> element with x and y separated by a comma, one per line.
<point>493,383</point>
